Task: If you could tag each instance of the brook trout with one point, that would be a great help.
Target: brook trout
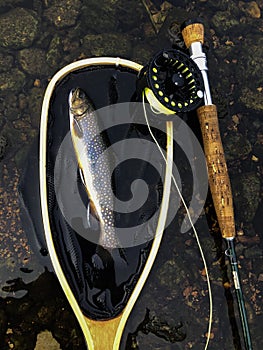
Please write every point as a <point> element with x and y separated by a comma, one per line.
<point>94,166</point>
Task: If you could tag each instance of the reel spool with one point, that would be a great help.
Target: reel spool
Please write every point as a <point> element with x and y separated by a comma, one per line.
<point>171,82</point>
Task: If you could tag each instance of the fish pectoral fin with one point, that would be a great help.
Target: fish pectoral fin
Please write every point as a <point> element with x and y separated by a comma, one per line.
<point>82,177</point>
<point>77,128</point>
<point>92,217</point>
<point>93,210</point>
<point>92,214</point>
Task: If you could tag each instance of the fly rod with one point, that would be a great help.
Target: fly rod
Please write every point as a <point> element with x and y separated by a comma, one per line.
<point>193,35</point>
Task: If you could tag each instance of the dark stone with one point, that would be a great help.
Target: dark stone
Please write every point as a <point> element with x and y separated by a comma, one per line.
<point>252,99</point>
<point>125,14</point>
<point>11,107</point>
<point>112,44</point>
<point>142,54</point>
<point>223,21</point>
<point>12,81</point>
<point>251,68</point>
<point>172,273</point>
<point>258,151</point>
<point>98,16</point>
<point>21,156</point>
<point>3,324</point>
<point>54,53</point>
<point>236,146</point>
<point>18,28</point>
<point>6,62</point>
<point>63,13</point>
<point>3,144</point>
<point>253,253</point>
<point>33,61</point>
<point>11,3</point>
<point>35,104</point>
<point>246,193</point>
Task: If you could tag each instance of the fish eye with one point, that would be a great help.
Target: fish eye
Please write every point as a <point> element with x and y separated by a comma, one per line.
<point>82,95</point>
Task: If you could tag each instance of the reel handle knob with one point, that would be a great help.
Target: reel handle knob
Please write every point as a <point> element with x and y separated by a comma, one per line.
<point>192,32</point>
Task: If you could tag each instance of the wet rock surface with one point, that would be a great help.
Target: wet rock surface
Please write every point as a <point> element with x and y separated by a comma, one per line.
<point>225,17</point>
<point>96,16</point>
<point>45,341</point>
<point>246,190</point>
<point>34,105</point>
<point>107,45</point>
<point>12,81</point>
<point>54,53</point>
<point>3,145</point>
<point>176,294</point>
<point>33,61</point>
<point>18,28</point>
<point>63,14</point>
<point>236,146</point>
<point>27,321</point>
<point>252,98</point>
<point>11,3</point>
<point>6,62</point>
<point>251,8</point>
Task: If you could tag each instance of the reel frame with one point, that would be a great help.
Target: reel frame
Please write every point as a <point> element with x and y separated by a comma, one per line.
<point>172,82</point>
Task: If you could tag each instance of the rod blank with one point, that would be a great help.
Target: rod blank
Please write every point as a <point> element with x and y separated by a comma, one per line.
<point>193,34</point>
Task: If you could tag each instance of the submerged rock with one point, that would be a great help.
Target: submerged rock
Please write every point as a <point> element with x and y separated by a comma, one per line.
<point>253,253</point>
<point>35,104</point>
<point>172,273</point>
<point>54,53</point>
<point>3,144</point>
<point>63,13</point>
<point>142,54</point>
<point>33,61</point>
<point>125,14</point>
<point>98,16</point>
<point>223,21</point>
<point>112,44</point>
<point>258,151</point>
<point>18,28</point>
<point>4,3</point>
<point>45,341</point>
<point>250,8</point>
<point>3,324</point>
<point>251,67</point>
<point>21,156</point>
<point>12,81</point>
<point>11,109</point>
<point>252,98</point>
<point>246,193</point>
<point>236,146</point>
<point>6,62</point>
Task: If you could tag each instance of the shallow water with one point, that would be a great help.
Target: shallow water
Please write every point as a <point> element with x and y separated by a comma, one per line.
<point>176,292</point>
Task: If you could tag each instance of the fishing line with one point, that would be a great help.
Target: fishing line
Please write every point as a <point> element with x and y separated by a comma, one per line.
<point>193,227</point>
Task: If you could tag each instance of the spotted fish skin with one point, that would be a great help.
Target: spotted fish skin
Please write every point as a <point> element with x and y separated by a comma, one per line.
<point>94,165</point>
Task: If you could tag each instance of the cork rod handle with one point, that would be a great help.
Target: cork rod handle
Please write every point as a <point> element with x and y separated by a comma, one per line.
<point>193,33</point>
<point>217,170</point>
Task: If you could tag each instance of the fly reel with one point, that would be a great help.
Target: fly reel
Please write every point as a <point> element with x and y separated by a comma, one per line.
<point>171,82</point>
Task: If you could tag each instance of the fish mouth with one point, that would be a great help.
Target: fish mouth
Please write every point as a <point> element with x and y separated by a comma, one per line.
<point>78,102</point>
<point>78,94</point>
